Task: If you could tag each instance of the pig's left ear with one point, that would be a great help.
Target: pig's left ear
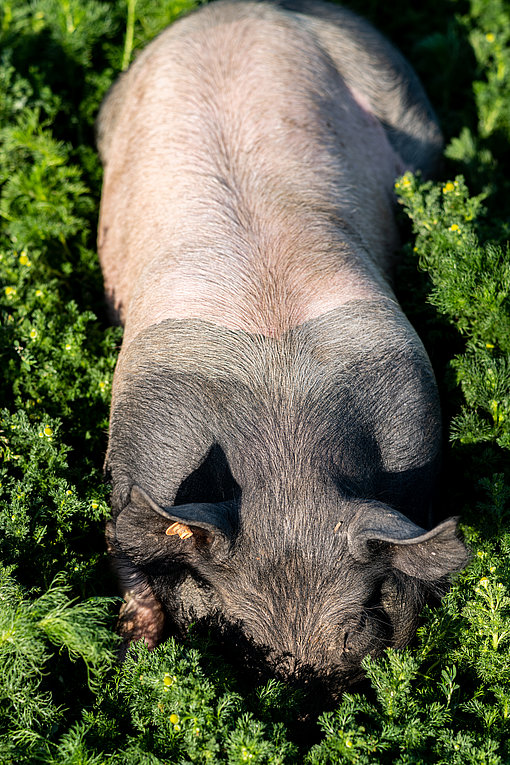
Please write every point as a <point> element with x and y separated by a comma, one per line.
<point>426,555</point>
<point>206,525</point>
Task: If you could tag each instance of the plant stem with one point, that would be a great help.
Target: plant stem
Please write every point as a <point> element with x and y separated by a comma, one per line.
<point>130,30</point>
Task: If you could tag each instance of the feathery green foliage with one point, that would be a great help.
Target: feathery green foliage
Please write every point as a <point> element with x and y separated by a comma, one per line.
<point>29,627</point>
<point>471,287</point>
<point>62,697</point>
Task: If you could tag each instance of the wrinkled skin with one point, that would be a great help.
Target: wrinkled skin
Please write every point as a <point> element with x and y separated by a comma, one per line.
<point>275,430</point>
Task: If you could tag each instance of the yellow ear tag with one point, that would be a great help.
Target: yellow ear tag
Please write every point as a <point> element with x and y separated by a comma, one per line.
<point>179,529</point>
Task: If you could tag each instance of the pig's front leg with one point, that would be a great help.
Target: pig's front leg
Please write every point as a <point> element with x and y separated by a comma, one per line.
<point>141,616</point>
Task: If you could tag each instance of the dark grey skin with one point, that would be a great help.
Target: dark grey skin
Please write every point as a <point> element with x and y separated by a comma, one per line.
<point>280,479</point>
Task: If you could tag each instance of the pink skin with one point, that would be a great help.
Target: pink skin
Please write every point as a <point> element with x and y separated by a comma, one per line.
<point>222,193</point>
<point>141,617</point>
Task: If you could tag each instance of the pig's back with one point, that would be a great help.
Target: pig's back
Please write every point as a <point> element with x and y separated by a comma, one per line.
<point>245,183</point>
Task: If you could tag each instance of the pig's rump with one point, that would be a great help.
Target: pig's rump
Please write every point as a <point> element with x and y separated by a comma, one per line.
<point>249,184</point>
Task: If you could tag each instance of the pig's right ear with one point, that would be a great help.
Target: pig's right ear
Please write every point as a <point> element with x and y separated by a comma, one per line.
<point>204,526</point>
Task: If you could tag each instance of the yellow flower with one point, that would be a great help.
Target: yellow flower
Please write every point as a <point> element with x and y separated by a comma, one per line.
<point>33,334</point>
<point>454,227</point>
<point>94,505</point>
<point>68,346</point>
<point>489,345</point>
<point>23,259</point>
<point>174,719</point>
<point>448,187</point>
<point>48,431</point>
<point>490,37</point>
<point>38,293</point>
<point>10,291</point>
<point>484,582</point>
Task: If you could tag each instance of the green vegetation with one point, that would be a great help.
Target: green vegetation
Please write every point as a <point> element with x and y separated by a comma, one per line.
<point>63,698</point>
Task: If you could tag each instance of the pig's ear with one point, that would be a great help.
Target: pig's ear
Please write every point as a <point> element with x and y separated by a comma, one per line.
<point>426,555</point>
<point>431,555</point>
<point>206,525</point>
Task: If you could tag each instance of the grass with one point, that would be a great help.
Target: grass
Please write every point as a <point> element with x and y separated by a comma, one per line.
<point>63,698</point>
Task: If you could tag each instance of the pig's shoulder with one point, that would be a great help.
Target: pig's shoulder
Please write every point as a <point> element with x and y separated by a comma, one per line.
<point>360,331</point>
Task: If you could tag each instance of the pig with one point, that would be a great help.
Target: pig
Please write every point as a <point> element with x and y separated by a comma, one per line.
<point>275,430</point>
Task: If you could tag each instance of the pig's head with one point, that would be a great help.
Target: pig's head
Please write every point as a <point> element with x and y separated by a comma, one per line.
<point>313,599</point>
<point>305,437</point>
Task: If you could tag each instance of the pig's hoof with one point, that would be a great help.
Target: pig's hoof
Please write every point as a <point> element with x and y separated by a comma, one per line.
<point>140,620</point>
